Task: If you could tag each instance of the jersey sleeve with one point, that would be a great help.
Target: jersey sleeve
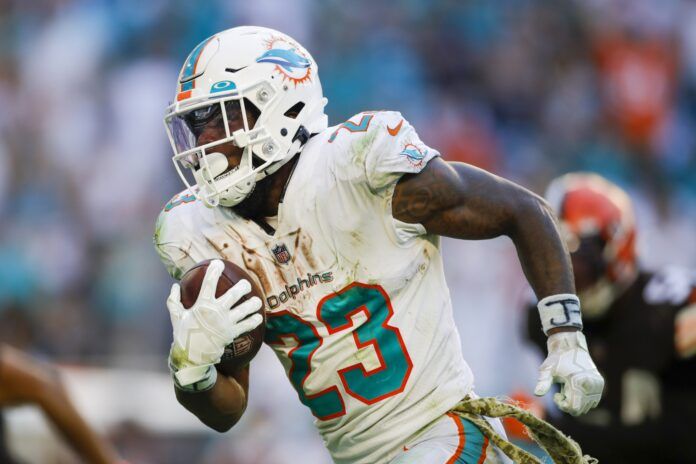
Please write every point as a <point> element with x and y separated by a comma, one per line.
<point>170,239</point>
<point>379,148</point>
<point>396,150</point>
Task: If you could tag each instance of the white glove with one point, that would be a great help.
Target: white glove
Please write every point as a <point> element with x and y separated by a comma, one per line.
<point>202,332</point>
<point>569,363</point>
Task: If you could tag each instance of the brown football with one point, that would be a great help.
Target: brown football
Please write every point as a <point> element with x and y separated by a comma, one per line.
<point>244,348</point>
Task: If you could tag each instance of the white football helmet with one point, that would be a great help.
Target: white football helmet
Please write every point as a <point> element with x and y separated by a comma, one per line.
<point>230,70</point>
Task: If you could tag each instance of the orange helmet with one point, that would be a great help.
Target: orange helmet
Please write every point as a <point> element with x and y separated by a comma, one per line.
<point>590,207</point>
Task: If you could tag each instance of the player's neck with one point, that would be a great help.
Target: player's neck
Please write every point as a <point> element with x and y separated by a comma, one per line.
<point>268,194</point>
<point>276,191</point>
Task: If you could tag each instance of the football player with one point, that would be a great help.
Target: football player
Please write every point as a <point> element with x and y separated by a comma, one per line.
<point>641,327</point>
<point>23,380</point>
<point>339,226</point>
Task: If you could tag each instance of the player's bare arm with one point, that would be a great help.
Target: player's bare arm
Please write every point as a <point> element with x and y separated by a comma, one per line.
<point>221,407</point>
<point>461,201</point>
<point>458,200</point>
<point>24,380</point>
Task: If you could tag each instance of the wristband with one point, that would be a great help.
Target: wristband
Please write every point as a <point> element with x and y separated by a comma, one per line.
<point>195,378</point>
<point>562,310</point>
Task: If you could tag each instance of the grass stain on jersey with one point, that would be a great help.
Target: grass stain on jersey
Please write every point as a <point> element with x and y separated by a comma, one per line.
<point>361,147</point>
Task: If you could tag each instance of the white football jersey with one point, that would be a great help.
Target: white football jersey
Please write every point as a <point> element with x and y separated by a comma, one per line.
<point>358,310</point>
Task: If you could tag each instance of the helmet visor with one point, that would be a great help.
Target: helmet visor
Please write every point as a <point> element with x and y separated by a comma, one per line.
<point>205,124</point>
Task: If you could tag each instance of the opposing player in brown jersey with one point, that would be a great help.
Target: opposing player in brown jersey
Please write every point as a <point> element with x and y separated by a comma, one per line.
<point>640,327</point>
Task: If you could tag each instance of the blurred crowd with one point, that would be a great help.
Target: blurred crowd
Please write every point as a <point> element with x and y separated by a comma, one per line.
<point>527,89</point>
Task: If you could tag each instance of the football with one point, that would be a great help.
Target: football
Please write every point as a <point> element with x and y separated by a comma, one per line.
<point>239,353</point>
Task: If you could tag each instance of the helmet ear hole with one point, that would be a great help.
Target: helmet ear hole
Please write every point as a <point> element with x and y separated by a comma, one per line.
<point>294,110</point>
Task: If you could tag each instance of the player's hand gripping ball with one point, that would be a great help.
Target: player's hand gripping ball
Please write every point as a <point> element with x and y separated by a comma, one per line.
<point>232,282</point>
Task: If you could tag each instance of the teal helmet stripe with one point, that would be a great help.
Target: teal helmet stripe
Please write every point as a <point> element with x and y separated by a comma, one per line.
<point>190,66</point>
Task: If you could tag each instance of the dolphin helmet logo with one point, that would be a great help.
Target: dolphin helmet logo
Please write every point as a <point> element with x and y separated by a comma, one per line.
<point>288,59</point>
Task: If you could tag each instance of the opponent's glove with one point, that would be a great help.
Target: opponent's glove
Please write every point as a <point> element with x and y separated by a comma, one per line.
<point>569,363</point>
<point>202,332</point>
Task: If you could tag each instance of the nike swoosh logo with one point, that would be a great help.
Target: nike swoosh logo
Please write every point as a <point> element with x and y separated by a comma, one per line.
<point>233,70</point>
<point>396,129</point>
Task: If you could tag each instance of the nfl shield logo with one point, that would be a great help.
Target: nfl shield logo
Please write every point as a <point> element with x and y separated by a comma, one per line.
<point>281,253</point>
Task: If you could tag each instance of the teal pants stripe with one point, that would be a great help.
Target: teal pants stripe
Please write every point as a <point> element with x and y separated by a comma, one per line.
<point>475,444</point>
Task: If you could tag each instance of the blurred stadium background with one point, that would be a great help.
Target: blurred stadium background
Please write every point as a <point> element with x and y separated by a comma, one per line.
<point>527,89</point>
